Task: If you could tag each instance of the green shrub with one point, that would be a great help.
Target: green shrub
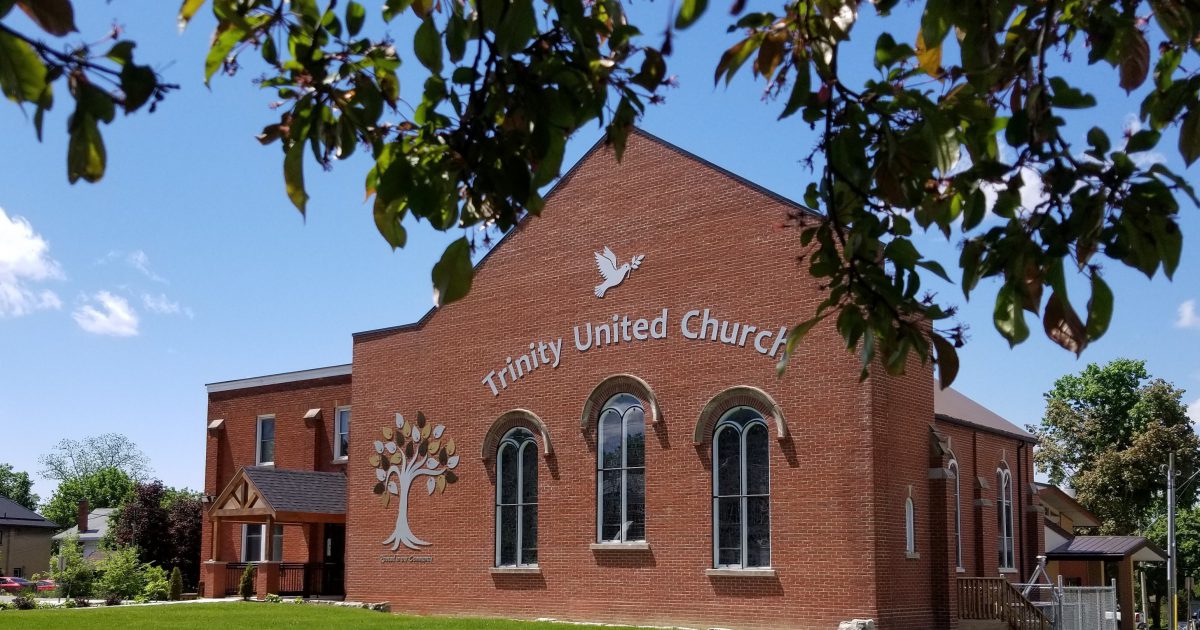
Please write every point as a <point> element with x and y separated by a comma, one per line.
<point>175,589</point>
<point>77,575</point>
<point>122,576</point>
<point>81,602</point>
<point>272,598</point>
<point>70,603</point>
<point>112,600</point>
<point>246,587</point>
<point>24,602</point>
<point>3,606</point>
<point>156,588</point>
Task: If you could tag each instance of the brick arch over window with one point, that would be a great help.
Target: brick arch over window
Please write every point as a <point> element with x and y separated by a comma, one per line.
<point>739,396</point>
<point>611,386</point>
<point>512,419</point>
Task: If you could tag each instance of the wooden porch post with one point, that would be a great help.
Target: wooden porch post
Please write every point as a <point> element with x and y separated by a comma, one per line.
<point>269,540</point>
<point>216,539</point>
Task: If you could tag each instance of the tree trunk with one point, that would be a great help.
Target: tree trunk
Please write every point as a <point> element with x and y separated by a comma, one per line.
<point>402,534</point>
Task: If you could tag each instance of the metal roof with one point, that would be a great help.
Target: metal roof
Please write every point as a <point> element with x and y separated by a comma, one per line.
<point>950,404</point>
<point>300,490</point>
<point>1107,547</point>
<point>13,514</point>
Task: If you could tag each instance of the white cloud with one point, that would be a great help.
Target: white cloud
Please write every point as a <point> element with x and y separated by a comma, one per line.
<point>1186,316</point>
<point>24,260</point>
<point>107,314</point>
<point>164,305</point>
<point>137,259</point>
<point>1194,411</point>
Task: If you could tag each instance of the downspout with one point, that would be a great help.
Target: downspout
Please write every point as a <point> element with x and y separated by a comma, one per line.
<point>1020,506</point>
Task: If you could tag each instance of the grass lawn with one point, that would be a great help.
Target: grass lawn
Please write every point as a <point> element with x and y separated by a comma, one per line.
<point>259,616</point>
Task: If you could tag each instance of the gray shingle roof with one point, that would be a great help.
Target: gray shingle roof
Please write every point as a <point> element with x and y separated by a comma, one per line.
<point>13,514</point>
<point>97,526</point>
<point>300,490</point>
<point>951,404</point>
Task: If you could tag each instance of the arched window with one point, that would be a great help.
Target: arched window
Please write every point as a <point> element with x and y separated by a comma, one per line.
<point>910,527</point>
<point>741,490</point>
<point>1004,511</point>
<point>621,470</point>
<point>516,499</point>
<point>953,468</point>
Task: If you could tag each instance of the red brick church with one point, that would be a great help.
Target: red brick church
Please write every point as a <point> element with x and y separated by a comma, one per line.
<point>597,433</point>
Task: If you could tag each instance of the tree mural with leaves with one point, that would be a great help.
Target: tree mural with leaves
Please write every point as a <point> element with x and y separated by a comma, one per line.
<point>405,453</point>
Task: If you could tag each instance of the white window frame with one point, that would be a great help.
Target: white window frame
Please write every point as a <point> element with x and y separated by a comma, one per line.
<point>623,535</point>
<point>258,424</point>
<point>523,448</point>
<point>276,542</point>
<point>337,432</point>
<point>958,555</point>
<point>910,526</point>
<point>741,431</point>
<point>1006,536</point>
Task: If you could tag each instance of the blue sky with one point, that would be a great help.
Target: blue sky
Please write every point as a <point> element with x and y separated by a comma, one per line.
<point>187,264</point>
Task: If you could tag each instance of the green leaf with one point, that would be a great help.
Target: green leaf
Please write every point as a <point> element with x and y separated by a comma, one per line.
<point>1143,140</point>
<point>138,83</point>
<point>1174,19</point>
<point>1099,140</point>
<point>947,360</point>
<point>935,23</point>
<point>1068,97</point>
<point>427,44</point>
<point>56,17</point>
<point>888,53</point>
<point>355,15</point>
<point>121,52</point>
<point>801,90</point>
<point>1189,136</point>
<point>293,175</point>
<point>452,274</point>
<point>1135,60</point>
<point>1008,317</point>
<point>689,12</point>
<point>935,267</point>
<point>221,47</point>
<point>22,74</point>
<point>187,11</point>
<point>1099,309</point>
<point>85,151</point>
<point>517,28</point>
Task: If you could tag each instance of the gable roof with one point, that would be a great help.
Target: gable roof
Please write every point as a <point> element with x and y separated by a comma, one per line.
<point>1057,498</point>
<point>97,526</point>
<point>566,177</point>
<point>13,514</point>
<point>300,490</point>
<point>952,406</point>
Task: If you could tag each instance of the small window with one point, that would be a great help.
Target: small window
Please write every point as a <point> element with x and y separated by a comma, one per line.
<point>741,491</point>
<point>957,514</point>
<point>265,455</point>
<point>516,500</point>
<point>910,527</point>
<point>621,471</point>
<point>18,572</point>
<point>252,543</point>
<point>341,433</point>
<point>1004,512</point>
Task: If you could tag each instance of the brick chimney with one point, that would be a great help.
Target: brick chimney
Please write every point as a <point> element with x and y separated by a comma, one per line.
<point>82,519</point>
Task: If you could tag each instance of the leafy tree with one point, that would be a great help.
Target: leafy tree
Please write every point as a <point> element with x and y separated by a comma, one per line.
<point>72,459</point>
<point>70,570</point>
<point>407,452</point>
<point>246,585</point>
<point>935,137</point>
<point>104,488</point>
<point>1107,432</point>
<point>184,522</point>
<point>17,486</point>
<point>156,588</point>
<point>121,574</point>
<point>143,523</point>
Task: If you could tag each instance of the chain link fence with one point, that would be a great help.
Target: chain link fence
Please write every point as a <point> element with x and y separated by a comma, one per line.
<point>1075,607</point>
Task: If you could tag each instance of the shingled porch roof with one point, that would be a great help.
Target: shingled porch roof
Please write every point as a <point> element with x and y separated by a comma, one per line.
<point>261,493</point>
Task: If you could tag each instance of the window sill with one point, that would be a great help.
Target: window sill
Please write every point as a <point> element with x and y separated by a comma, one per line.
<point>747,573</point>
<point>620,546</point>
<point>1003,570</point>
<point>340,461</point>
<point>912,555</point>
<point>516,570</point>
<point>959,570</point>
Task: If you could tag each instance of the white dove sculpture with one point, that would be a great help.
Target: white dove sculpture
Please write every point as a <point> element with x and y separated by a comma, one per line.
<point>613,275</point>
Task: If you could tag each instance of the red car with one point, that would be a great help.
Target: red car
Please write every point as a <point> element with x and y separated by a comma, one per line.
<point>14,584</point>
<point>46,585</point>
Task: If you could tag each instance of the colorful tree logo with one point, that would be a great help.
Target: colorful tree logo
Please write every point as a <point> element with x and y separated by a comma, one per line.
<point>411,450</point>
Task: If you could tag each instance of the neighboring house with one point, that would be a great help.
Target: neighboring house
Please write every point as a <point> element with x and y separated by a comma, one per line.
<point>90,527</point>
<point>1082,560</point>
<point>24,540</point>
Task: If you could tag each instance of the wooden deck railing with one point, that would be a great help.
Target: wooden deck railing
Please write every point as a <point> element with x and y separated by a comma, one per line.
<point>995,598</point>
